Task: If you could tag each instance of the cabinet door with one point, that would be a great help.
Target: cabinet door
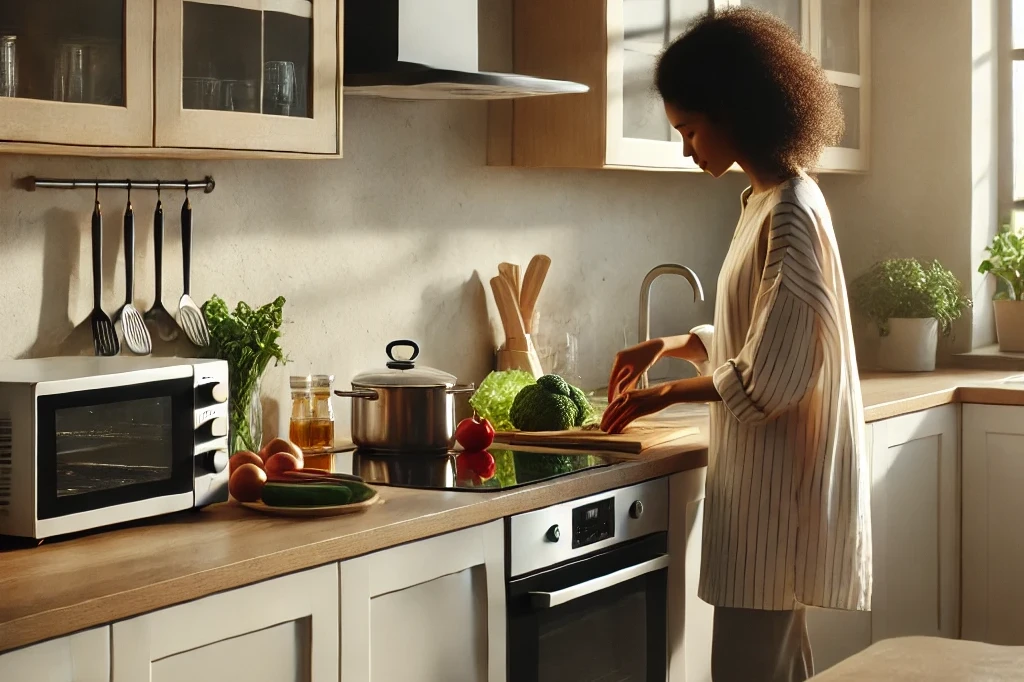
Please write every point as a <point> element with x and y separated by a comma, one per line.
<point>690,620</point>
<point>81,657</point>
<point>638,133</point>
<point>915,525</point>
<point>993,544</point>
<point>248,75</point>
<point>840,39</point>
<point>280,630</point>
<point>76,72</point>
<point>430,611</point>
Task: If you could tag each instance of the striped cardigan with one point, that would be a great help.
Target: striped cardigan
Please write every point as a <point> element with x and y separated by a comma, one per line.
<point>786,516</point>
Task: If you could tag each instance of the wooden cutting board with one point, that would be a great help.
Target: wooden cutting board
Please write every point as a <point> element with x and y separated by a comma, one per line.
<point>633,441</point>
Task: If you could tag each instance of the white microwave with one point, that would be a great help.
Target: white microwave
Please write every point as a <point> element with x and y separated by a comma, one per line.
<point>87,442</point>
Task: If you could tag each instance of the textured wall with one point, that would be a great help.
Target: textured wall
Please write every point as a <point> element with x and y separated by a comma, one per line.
<point>395,240</point>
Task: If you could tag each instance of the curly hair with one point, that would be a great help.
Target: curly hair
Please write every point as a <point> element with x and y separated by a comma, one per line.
<point>746,70</point>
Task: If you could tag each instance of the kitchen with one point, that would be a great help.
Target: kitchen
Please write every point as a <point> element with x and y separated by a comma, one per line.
<point>398,238</point>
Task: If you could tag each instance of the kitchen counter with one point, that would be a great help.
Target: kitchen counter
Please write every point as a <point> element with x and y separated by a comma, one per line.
<point>79,582</point>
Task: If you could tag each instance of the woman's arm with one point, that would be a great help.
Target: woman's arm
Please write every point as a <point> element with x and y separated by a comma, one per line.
<point>632,405</point>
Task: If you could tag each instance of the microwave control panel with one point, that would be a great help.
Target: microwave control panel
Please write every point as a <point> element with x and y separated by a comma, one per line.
<point>594,522</point>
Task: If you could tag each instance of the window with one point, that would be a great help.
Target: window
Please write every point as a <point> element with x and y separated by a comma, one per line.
<point>1016,114</point>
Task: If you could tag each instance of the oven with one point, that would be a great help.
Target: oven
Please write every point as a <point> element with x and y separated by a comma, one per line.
<point>586,589</point>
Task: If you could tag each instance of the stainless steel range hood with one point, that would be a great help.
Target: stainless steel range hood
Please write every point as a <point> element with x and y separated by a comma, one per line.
<point>427,49</point>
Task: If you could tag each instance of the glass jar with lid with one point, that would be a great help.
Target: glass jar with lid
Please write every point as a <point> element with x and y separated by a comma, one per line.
<point>321,425</point>
<point>302,410</point>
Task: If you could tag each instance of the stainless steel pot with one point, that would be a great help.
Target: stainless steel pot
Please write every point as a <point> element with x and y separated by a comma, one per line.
<point>404,408</point>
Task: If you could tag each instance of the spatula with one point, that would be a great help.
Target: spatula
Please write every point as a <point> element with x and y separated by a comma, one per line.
<point>104,336</point>
<point>511,319</point>
<point>136,336</point>
<point>510,273</point>
<point>157,315</point>
<point>536,272</point>
<point>190,317</point>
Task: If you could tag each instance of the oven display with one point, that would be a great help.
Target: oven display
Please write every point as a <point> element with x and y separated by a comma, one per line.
<point>593,523</point>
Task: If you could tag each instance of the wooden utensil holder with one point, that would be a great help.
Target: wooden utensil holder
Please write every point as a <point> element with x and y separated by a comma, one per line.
<point>525,360</point>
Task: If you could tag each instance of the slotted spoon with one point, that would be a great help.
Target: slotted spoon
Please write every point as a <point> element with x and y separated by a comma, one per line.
<point>190,317</point>
<point>157,315</point>
<point>104,336</point>
<point>133,328</point>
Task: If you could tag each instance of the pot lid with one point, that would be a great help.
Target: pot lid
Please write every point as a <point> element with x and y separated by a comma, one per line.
<point>401,370</point>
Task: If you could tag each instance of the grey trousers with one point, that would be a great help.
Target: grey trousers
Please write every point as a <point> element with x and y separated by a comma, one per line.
<point>750,645</point>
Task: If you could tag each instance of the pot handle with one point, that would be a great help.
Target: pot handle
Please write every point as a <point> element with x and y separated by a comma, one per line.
<point>460,390</point>
<point>365,394</point>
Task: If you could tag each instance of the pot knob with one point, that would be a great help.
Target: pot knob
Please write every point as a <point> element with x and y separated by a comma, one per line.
<point>402,363</point>
<point>553,534</point>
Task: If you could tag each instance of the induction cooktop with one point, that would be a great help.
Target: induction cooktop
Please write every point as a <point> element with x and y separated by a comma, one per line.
<point>496,469</point>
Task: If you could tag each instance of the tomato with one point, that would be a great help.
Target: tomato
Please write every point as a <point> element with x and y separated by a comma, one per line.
<point>246,484</point>
<point>474,434</point>
<point>243,457</point>
<point>474,466</point>
<point>281,462</point>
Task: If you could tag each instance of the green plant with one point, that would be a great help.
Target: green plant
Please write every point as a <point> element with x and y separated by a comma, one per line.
<point>903,287</point>
<point>248,340</point>
<point>1006,262</point>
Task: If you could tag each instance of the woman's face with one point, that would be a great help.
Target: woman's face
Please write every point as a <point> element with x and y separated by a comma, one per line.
<point>703,141</point>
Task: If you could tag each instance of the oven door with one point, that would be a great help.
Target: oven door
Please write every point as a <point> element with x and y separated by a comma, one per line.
<point>113,454</point>
<point>595,619</point>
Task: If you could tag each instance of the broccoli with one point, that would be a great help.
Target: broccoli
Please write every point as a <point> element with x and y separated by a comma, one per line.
<point>550,405</point>
<point>533,467</point>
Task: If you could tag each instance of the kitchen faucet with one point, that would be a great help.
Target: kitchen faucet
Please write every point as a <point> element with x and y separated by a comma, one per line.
<point>644,331</point>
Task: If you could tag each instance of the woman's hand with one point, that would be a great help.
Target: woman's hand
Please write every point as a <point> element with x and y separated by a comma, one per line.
<point>630,364</point>
<point>632,405</point>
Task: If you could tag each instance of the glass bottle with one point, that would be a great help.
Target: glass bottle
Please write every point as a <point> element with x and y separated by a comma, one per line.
<point>302,411</point>
<point>320,446</point>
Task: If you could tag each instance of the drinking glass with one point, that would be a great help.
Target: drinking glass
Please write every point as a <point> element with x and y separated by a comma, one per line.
<point>69,73</point>
<point>200,93</point>
<point>240,95</point>
<point>8,66</point>
<point>278,88</point>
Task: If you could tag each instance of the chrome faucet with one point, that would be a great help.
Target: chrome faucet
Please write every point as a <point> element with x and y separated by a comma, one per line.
<point>644,331</point>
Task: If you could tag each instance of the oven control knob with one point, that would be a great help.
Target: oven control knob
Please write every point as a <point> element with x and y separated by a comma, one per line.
<point>214,461</point>
<point>212,394</point>
<point>553,534</point>
<point>215,428</point>
<point>636,510</point>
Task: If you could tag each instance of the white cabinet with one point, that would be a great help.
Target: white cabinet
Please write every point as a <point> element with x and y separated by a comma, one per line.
<point>916,524</point>
<point>690,619</point>
<point>915,515</point>
<point>993,541</point>
<point>280,630</point>
<point>81,657</point>
<point>430,611</point>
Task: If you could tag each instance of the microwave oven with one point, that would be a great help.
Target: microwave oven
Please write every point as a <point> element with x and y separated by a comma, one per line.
<point>86,442</point>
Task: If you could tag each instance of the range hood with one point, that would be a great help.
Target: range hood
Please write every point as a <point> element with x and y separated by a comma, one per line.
<point>427,49</point>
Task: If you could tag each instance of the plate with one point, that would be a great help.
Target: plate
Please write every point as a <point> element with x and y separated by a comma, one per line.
<point>334,510</point>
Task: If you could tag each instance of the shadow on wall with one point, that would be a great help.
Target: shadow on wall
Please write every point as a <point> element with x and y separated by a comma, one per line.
<point>56,333</point>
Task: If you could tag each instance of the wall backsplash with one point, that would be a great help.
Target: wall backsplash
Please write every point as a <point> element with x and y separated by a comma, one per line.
<point>398,239</point>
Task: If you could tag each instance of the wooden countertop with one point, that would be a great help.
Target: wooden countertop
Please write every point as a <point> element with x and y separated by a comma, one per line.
<point>80,582</point>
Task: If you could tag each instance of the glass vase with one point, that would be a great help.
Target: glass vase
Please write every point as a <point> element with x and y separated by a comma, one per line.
<point>247,419</point>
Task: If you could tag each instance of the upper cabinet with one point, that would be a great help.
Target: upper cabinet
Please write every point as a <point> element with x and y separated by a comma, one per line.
<point>613,47</point>
<point>174,78</point>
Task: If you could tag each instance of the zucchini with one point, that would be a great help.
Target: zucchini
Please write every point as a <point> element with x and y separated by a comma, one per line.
<point>305,494</point>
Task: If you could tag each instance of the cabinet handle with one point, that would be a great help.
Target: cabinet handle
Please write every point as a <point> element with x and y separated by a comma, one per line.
<point>547,600</point>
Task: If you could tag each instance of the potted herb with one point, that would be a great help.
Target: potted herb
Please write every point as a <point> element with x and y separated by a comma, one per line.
<point>247,339</point>
<point>1006,262</point>
<point>909,303</point>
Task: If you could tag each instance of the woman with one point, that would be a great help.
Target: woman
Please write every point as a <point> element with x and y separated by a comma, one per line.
<point>786,512</point>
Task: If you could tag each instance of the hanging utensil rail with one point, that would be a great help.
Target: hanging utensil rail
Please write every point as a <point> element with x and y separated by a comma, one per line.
<point>32,184</point>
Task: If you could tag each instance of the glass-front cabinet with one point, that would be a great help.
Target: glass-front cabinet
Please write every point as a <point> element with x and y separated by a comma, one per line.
<point>76,72</point>
<point>247,74</point>
<point>170,77</point>
<point>837,33</point>
<point>613,47</point>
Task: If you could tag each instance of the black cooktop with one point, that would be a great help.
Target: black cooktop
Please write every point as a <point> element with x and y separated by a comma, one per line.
<point>497,469</point>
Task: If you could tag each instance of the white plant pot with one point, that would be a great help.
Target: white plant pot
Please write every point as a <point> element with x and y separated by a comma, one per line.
<point>1010,325</point>
<point>910,345</point>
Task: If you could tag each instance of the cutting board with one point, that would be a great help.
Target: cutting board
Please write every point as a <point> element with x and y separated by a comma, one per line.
<point>633,441</point>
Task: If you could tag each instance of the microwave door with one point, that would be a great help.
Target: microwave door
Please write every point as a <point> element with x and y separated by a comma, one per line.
<point>107,447</point>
